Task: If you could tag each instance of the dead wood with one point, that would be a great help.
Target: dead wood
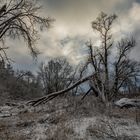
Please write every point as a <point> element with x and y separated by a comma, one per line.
<point>51,96</point>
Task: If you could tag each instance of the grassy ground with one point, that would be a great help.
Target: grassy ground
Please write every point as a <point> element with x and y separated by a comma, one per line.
<point>70,119</point>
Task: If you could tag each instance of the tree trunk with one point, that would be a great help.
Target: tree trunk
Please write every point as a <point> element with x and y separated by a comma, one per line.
<point>55,94</point>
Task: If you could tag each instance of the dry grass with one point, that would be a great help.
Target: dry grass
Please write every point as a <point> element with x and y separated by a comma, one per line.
<point>29,116</point>
<point>107,129</point>
<point>60,132</point>
<point>12,136</point>
<point>6,132</point>
<point>54,121</point>
<point>104,129</point>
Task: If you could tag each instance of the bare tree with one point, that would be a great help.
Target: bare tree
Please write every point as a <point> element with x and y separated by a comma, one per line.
<point>103,25</point>
<point>125,69</point>
<point>56,75</point>
<point>110,72</point>
<point>20,18</point>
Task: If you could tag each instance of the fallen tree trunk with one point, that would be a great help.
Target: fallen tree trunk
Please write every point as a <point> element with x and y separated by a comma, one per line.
<point>55,94</point>
<point>127,103</point>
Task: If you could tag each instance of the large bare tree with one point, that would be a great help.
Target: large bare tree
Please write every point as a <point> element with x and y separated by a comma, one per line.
<point>20,18</point>
<point>110,70</point>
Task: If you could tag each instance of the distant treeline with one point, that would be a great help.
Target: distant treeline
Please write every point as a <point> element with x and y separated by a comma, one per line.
<point>56,75</point>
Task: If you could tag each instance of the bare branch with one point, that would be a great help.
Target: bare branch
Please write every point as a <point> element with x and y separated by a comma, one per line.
<point>20,18</point>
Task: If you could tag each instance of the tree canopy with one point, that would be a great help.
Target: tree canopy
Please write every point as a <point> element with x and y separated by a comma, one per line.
<point>21,19</point>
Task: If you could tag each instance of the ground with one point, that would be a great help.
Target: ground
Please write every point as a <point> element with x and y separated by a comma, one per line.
<point>68,119</point>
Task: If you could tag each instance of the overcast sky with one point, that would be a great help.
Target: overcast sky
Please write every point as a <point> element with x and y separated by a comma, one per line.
<point>72,29</point>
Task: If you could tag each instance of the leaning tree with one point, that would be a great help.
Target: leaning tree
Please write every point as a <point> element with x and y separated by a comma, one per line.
<point>20,19</point>
<point>110,70</point>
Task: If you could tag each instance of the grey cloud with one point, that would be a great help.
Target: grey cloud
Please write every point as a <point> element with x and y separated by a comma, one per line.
<point>72,27</point>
